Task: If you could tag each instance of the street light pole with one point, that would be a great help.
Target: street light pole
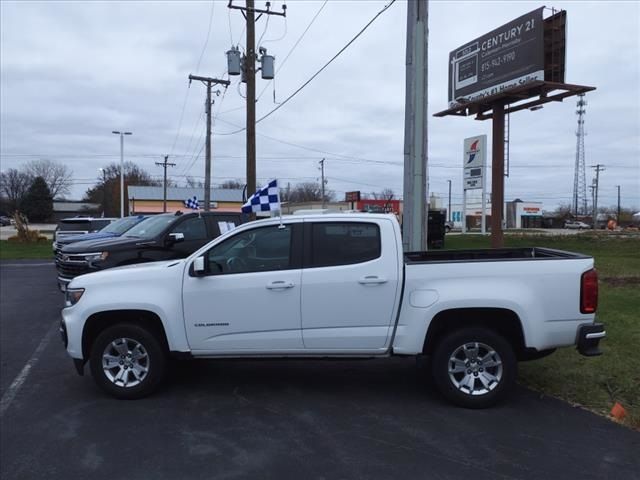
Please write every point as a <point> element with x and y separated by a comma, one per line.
<point>104,189</point>
<point>122,134</point>
<point>449,209</point>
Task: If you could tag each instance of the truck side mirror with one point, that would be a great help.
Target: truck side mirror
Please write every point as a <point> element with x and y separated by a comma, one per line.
<point>174,238</point>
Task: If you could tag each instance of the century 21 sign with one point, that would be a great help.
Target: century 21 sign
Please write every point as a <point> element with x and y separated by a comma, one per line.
<point>506,57</point>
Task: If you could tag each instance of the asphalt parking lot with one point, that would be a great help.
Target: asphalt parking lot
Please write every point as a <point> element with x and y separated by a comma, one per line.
<point>271,419</point>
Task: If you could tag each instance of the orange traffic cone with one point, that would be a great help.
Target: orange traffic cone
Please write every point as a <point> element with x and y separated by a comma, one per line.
<point>618,412</point>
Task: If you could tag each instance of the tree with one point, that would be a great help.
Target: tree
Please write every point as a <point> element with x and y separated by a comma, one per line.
<point>37,204</point>
<point>306,192</point>
<point>14,185</point>
<point>232,185</point>
<point>563,211</point>
<point>107,191</point>
<point>57,176</point>
<point>386,194</point>
<point>193,183</point>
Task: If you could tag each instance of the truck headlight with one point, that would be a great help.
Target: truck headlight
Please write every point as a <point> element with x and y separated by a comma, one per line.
<point>96,257</point>
<point>72,296</point>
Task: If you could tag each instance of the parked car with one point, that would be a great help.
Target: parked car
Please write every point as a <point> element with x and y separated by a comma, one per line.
<point>114,229</point>
<point>4,221</point>
<point>575,225</point>
<point>334,286</point>
<point>448,226</point>
<point>161,237</point>
<point>69,227</point>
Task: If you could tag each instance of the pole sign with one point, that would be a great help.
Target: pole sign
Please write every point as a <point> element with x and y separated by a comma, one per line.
<point>352,196</point>
<point>506,57</point>
<point>474,162</point>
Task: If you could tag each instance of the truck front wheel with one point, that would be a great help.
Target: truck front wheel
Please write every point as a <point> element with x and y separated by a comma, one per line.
<point>474,367</point>
<point>127,361</point>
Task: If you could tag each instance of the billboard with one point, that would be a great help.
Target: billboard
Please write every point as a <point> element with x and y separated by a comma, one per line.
<point>474,161</point>
<point>508,56</point>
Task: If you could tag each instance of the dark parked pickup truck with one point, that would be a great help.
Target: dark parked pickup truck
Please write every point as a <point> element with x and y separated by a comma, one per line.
<point>162,237</point>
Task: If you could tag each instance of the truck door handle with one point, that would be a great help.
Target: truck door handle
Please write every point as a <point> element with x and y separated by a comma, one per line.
<point>278,284</point>
<point>372,280</point>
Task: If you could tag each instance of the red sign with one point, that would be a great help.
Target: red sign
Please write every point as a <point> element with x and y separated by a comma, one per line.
<point>352,197</point>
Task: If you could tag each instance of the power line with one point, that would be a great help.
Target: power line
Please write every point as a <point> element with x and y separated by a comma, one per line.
<point>297,42</point>
<point>286,100</point>
<point>206,41</point>
<point>186,96</point>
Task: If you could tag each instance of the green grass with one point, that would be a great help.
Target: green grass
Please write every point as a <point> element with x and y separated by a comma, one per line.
<point>596,382</point>
<point>20,251</point>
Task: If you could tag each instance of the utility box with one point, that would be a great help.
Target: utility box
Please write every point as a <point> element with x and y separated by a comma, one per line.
<point>435,229</point>
<point>267,69</point>
<point>233,61</point>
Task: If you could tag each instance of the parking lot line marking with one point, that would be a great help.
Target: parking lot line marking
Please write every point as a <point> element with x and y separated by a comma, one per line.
<point>17,383</point>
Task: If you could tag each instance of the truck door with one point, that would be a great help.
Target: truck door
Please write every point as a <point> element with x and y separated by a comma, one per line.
<point>350,283</point>
<point>249,299</point>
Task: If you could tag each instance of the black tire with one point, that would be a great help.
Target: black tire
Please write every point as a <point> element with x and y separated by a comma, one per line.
<point>491,381</point>
<point>145,352</point>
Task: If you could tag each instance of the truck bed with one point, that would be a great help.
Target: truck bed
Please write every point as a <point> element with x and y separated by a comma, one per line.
<point>488,255</point>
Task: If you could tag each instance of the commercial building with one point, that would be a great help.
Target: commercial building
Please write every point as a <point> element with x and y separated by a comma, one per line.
<point>149,200</point>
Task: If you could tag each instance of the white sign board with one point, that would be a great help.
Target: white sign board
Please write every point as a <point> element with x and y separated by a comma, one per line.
<point>474,161</point>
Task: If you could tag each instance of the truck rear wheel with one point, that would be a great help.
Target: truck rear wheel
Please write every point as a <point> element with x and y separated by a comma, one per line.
<point>474,367</point>
<point>127,361</point>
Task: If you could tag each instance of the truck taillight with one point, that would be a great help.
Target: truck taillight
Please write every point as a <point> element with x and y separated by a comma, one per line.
<point>589,291</point>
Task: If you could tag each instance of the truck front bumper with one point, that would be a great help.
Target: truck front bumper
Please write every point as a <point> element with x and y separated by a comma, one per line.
<point>589,337</point>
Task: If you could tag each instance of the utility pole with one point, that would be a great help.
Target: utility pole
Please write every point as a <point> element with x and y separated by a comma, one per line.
<point>249,11</point>
<point>208,81</point>
<point>618,216</point>
<point>165,164</point>
<point>414,225</point>
<point>322,182</point>
<point>598,168</point>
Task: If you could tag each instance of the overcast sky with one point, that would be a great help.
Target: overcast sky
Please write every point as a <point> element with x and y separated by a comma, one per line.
<point>74,71</point>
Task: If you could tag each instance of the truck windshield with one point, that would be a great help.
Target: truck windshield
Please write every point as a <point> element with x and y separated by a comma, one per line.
<point>151,227</point>
<point>120,226</point>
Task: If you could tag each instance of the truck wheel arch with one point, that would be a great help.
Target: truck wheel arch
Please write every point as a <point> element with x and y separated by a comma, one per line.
<point>501,320</point>
<point>97,322</point>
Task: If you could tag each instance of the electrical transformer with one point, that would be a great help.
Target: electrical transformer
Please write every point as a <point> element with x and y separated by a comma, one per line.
<point>233,61</point>
<point>267,68</point>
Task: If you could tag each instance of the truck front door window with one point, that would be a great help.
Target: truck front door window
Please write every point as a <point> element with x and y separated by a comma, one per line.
<point>258,250</point>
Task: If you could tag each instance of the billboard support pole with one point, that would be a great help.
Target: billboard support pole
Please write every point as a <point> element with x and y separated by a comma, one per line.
<point>497,176</point>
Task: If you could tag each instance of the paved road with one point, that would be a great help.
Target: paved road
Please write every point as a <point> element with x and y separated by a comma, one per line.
<point>272,419</point>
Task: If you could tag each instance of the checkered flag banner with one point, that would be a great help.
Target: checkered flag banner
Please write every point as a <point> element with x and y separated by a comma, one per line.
<point>267,199</point>
<point>192,203</point>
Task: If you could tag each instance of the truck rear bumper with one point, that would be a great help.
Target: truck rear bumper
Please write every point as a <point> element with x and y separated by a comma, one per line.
<point>589,337</point>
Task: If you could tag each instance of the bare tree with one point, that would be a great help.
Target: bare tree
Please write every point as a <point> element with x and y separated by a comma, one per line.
<point>306,192</point>
<point>232,185</point>
<point>14,185</point>
<point>57,176</point>
<point>385,194</point>
<point>193,183</point>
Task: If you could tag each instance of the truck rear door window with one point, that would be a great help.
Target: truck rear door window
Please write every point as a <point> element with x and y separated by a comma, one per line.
<point>192,228</point>
<point>343,243</point>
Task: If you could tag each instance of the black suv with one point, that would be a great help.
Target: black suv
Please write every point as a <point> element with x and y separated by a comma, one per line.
<point>162,237</point>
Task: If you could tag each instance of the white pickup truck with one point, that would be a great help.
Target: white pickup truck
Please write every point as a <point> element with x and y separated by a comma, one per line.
<point>334,285</point>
